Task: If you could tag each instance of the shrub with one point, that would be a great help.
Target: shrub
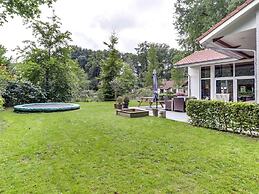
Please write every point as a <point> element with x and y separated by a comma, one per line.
<point>18,92</point>
<point>1,103</point>
<point>141,92</point>
<point>235,116</point>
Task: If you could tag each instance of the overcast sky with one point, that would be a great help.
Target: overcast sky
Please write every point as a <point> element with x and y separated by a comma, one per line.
<point>92,22</point>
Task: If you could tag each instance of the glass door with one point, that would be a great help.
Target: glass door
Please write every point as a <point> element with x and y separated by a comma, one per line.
<point>225,87</point>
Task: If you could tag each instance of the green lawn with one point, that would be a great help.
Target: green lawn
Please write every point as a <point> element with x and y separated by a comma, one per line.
<point>93,151</point>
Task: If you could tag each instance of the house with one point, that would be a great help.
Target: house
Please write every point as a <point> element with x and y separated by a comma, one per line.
<point>229,66</point>
<point>166,87</point>
<point>169,87</point>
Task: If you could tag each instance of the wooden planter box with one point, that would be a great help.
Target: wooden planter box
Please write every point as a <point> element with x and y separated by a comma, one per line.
<point>132,113</point>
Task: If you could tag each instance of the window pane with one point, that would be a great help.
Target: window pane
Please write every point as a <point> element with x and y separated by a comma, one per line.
<point>245,69</point>
<point>245,90</point>
<point>225,87</point>
<point>205,72</point>
<point>224,70</point>
<point>205,89</point>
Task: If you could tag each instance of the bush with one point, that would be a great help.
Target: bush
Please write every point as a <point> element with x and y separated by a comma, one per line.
<point>228,116</point>
<point>141,92</point>
<point>18,92</point>
<point>1,103</point>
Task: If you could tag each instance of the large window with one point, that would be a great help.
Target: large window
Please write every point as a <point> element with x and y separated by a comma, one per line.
<point>245,89</point>
<point>244,69</point>
<point>205,72</point>
<point>224,70</point>
<point>205,89</point>
<point>205,82</point>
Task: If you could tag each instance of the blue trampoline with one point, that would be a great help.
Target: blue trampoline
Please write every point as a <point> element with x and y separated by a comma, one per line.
<point>46,107</point>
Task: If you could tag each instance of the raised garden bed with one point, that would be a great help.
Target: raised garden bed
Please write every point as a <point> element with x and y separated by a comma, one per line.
<point>132,113</point>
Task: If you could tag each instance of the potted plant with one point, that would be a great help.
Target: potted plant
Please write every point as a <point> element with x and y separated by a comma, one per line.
<point>119,102</point>
<point>155,112</point>
<point>126,102</point>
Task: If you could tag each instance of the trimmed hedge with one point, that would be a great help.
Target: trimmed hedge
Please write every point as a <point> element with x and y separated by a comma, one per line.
<point>238,117</point>
<point>1,103</point>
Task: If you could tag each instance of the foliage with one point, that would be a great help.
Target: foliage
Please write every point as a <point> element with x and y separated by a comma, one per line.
<point>237,116</point>
<point>111,68</point>
<point>119,100</point>
<point>166,57</point>
<point>57,152</point>
<point>88,96</point>
<point>126,100</point>
<point>141,92</point>
<point>18,92</point>
<point>3,59</point>
<point>5,74</point>
<point>178,76</point>
<point>90,61</point>
<point>47,62</point>
<point>27,9</point>
<point>152,65</point>
<point>125,82</point>
<point>194,17</point>
<point>1,103</point>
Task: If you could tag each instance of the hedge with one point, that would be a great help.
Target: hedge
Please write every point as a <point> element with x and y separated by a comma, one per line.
<point>1,103</point>
<point>238,117</point>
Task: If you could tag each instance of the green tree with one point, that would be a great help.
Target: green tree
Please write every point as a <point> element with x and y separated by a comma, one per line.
<point>178,76</point>
<point>27,9</point>
<point>48,63</point>
<point>152,64</point>
<point>111,68</point>
<point>126,80</point>
<point>5,74</point>
<point>194,17</point>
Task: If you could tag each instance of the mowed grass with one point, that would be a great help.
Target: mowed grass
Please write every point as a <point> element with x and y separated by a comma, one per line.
<point>93,151</point>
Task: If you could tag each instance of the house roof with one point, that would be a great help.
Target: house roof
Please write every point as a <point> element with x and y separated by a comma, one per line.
<point>202,56</point>
<point>229,16</point>
<point>167,85</point>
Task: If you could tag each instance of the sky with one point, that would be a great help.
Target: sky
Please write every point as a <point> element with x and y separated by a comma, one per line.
<point>92,22</point>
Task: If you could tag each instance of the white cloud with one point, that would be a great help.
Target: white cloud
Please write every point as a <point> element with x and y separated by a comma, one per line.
<point>92,22</point>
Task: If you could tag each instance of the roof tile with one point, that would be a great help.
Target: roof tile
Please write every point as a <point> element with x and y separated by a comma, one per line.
<point>202,56</point>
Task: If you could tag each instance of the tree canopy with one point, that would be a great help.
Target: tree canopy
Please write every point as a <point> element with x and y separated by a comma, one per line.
<point>47,61</point>
<point>27,9</point>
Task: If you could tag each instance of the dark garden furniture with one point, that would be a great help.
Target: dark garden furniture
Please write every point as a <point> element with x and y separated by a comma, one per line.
<point>168,105</point>
<point>179,104</point>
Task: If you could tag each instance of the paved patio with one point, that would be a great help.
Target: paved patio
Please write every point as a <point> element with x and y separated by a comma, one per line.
<point>171,115</point>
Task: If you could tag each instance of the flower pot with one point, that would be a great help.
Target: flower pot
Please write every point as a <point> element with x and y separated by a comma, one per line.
<point>125,105</point>
<point>155,112</point>
<point>118,106</point>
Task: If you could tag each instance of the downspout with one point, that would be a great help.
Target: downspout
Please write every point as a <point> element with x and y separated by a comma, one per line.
<point>244,50</point>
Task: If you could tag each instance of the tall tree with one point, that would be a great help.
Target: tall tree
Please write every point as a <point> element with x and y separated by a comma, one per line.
<point>27,9</point>
<point>5,74</point>
<point>126,79</point>
<point>48,63</point>
<point>194,17</point>
<point>111,68</point>
<point>178,76</point>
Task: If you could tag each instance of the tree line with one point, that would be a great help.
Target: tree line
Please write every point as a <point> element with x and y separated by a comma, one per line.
<point>56,71</point>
